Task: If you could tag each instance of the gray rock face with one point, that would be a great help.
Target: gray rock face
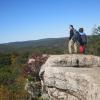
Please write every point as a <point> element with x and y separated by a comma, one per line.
<point>71,77</point>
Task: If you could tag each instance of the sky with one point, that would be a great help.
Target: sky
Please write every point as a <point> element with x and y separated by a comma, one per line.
<point>22,20</point>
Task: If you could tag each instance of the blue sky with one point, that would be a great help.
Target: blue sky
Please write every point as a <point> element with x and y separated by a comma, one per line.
<point>22,20</point>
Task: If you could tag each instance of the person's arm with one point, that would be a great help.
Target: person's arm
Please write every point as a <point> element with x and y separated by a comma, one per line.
<point>71,34</point>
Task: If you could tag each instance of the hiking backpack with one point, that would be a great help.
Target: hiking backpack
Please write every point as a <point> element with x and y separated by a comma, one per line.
<point>84,39</point>
<point>76,37</point>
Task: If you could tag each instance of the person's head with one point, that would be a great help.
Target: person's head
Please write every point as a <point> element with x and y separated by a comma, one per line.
<point>71,27</point>
<point>81,30</point>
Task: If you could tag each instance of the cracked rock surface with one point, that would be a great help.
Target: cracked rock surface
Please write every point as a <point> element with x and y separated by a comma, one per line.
<point>71,77</point>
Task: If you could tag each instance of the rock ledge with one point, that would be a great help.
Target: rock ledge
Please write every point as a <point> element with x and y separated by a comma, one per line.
<point>71,77</point>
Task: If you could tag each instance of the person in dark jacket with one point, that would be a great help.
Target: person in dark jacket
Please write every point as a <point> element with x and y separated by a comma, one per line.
<point>71,31</point>
<point>72,43</point>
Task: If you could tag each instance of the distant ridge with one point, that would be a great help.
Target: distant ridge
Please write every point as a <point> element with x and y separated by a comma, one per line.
<point>33,44</point>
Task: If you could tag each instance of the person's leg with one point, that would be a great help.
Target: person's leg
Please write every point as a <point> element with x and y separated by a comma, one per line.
<point>75,47</point>
<point>70,46</point>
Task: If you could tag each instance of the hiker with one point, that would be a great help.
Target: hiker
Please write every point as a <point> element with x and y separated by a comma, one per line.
<point>72,42</point>
<point>83,40</point>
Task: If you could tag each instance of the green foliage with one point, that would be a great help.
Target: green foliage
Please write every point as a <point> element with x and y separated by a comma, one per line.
<point>94,42</point>
<point>14,87</point>
<point>5,59</point>
<point>30,78</point>
<point>6,77</point>
<point>11,72</point>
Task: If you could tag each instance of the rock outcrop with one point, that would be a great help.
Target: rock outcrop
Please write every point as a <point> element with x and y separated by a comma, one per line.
<point>71,77</point>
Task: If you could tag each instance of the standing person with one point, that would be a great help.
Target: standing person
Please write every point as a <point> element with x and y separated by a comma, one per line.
<point>83,40</point>
<point>72,43</point>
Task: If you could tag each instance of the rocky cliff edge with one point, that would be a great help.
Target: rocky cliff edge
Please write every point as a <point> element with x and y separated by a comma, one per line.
<point>71,77</point>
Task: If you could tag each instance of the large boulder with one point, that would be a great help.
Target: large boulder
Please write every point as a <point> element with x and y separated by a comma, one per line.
<point>71,77</point>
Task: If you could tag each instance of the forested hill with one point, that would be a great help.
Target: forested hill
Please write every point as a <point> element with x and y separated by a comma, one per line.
<point>49,45</point>
<point>33,45</point>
